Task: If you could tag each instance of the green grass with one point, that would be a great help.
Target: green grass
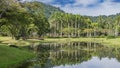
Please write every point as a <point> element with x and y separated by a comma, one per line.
<point>105,41</point>
<point>9,40</point>
<point>13,56</point>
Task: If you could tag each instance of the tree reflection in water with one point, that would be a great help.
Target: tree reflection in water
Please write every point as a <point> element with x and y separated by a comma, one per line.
<point>50,55</point>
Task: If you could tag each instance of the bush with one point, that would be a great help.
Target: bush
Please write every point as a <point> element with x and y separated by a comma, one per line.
<point>110,37</point>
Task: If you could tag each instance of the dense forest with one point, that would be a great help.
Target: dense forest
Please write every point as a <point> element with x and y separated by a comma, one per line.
<point>35,20</point>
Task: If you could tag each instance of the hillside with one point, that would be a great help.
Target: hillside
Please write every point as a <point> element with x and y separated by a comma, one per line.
<point>39,6</point>
<point>95,18</point>
<point>49,10</point>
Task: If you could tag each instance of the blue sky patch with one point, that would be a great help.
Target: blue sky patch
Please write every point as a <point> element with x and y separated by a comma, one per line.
<point>118,1</point>
<point>87,7</point>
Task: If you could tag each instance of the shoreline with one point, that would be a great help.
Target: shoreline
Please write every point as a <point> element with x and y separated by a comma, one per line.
<point>105,41</point>
<point>9,55</point>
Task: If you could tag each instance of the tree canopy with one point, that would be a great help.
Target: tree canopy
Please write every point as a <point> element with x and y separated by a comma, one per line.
<point>34,19</point>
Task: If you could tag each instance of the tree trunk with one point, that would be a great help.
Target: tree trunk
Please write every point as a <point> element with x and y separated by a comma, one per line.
<point>71,27</point>
<point>94,32</point>
<point>75,28</point>
<point>78,30</point>
<point>72,31</point>
<point>2,13</point>
<point>68,31</point>
<point>57,29</point>
<point>61,29</point>
<point>116,31</point>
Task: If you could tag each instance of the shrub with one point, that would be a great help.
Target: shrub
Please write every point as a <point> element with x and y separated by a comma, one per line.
<point>110,37</point>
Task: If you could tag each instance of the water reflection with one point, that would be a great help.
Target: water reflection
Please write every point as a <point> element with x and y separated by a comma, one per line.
<point>74,55</point>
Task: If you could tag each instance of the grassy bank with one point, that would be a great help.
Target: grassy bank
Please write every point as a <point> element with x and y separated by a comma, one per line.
<point>9,40</point>
<point>109,42</point>
<point>10,56</point>
<point>105,41</point>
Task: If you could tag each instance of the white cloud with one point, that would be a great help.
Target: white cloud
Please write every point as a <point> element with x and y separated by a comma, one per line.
<point>85,2</point>
<point>81,7</point>
<point>46,1</point>
<point>26,0</point>
<point>57,5</point>
<point>105,8</point>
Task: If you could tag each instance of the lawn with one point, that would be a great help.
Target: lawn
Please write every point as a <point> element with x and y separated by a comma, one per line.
<point>10,56</point>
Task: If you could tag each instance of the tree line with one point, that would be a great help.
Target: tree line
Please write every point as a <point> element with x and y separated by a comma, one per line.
<point>70,25</point>
<point>30,20</point>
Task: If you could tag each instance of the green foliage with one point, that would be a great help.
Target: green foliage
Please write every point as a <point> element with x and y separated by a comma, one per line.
<point>18,16</point>
<point>49,10</point>
<point>66,24</point>
<point>38,17</point>
<point>110,37</point>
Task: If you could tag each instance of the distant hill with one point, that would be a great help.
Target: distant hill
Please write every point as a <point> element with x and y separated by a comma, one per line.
<point>48,9</point>
<point>37,6</point>
<point>94,18</point>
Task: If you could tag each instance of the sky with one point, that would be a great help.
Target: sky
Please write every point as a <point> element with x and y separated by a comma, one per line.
<point>86,7</point>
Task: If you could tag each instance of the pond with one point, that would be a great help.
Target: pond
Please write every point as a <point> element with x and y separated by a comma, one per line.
<point>74,55</point>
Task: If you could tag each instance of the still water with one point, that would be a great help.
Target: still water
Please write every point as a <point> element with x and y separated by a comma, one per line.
<point>74,55</point>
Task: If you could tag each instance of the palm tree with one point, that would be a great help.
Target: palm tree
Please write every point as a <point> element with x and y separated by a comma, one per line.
<point>117,25</point>
<point>75,25</point>
<point>95,27</point>
<point>67,21</point>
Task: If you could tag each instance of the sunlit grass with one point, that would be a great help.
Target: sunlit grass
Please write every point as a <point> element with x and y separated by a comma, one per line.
<point>9,40</point>
<point>105,41</point>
